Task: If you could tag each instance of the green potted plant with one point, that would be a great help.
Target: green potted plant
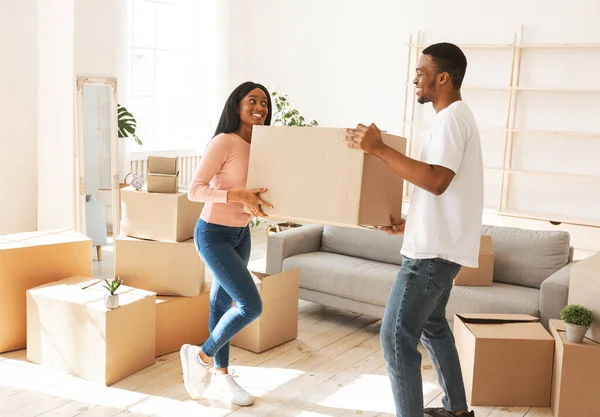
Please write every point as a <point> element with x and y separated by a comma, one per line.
<point>127,124</point>
<point>111,300</point>
<point>284,114</point>
<point>577,320</point>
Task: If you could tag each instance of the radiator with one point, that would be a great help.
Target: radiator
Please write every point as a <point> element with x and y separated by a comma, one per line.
<point>185,164</point>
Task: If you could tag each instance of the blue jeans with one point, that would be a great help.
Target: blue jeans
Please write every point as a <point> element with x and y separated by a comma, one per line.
<point>416,310</point>
<point>226,252</point>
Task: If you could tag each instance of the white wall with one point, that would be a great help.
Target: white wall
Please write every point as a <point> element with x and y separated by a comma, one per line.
<point>56,146</point>
<point>18,115</point>
<point>344,61</point>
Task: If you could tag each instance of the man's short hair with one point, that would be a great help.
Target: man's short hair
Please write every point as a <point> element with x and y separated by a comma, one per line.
<point>448,58</point>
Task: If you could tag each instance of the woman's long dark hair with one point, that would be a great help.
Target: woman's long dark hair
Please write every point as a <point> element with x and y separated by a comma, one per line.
<point>230,119</point>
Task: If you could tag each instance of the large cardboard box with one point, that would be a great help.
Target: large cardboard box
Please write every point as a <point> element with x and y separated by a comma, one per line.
<point>278,322</point>
<point>483,275</point>
<point>70,330</point>
<point>584,289</point>
<point>181,320</point>
<point>312,177</point>
<point>576,377</point>
<point>31,259</point>
<point>166,268</point>
<point>158,216</point>
<point>506,359</point>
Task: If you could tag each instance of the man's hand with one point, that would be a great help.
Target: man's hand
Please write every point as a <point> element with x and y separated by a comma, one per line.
<point>397,228</point>
<point>368,139</point>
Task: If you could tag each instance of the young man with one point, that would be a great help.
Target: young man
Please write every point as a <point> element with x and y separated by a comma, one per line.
<point>442,233</point>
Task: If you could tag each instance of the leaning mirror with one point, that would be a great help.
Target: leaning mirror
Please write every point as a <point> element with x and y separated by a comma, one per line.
<point>97,193</point>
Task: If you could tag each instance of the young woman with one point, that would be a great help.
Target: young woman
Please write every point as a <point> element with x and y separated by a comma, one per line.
<point>222,238</point>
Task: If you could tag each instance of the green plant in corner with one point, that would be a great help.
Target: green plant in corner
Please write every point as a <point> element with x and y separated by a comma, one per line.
<point>578,315</point>
<point>285,114</point>
<point>127,124</point>
<point>113,285</point>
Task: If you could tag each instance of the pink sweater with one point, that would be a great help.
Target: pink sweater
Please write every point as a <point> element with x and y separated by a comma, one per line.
<point>223,167</point>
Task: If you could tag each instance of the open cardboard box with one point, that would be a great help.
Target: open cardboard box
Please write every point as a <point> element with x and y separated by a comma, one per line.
<point>278,322</point>
<point>506,359</point>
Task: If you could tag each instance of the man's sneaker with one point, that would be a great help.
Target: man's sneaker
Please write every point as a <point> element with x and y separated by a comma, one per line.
<point>229,389</point>
<point>442,412</point>
<point>196,375</point>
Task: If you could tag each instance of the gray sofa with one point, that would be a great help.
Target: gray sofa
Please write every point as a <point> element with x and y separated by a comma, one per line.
<point>354,269</point>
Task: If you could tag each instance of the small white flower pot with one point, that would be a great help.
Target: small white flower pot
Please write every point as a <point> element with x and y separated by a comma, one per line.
<point>111,301</point>
<point>575,333</point>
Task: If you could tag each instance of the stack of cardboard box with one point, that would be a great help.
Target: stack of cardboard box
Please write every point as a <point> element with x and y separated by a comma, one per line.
<point>157,253</point>
<point>163,175</point>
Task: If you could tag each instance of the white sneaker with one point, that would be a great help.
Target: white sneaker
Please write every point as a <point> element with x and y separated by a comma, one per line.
<point>230,390</point>
<point>196,375</point>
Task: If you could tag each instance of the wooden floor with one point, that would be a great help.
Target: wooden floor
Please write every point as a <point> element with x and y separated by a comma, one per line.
<point>334,368</point>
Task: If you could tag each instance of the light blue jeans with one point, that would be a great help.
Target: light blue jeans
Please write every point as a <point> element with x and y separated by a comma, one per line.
<point>416,310</point>
<point>226,252</point>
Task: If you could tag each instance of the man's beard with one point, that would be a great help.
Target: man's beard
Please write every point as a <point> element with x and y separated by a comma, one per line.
<point>422,99</point>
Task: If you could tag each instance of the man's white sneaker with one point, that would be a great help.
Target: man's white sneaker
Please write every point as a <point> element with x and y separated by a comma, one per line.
<point>196,374</point>
<point>230,390</point>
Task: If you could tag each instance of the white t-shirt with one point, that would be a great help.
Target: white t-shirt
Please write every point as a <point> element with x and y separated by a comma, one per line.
<point>448,226</point>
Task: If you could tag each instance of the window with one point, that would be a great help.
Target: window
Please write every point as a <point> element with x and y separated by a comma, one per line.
<point>171,75</point>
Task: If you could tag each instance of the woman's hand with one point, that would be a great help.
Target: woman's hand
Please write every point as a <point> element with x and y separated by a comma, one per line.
<point>250,200</point>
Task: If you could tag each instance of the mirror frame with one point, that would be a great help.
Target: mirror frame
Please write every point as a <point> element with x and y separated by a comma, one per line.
<point>80,181</point>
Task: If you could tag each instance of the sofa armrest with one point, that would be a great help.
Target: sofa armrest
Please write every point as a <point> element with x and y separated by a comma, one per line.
<point>554,294</point>
<point>294,241</point>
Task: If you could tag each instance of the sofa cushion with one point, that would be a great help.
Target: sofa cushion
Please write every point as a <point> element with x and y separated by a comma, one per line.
<point>527,257</point>
<point>499,298</point>
<point>373,245</point>
<point>345,276</point>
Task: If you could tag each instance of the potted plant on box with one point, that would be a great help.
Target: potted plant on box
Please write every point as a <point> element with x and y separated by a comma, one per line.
<point>111,300</point>
<point>577,320</point>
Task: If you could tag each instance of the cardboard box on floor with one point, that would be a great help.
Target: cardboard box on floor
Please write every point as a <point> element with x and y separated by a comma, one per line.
<point>312,177</point>
<point>584,289</point>
<point>70,330</point>
<point>278,322</point>
<point>31,259</point>
<point>506,359</point>
<point>482,276</point>
<point>181,320</point>
<point>166,268</point>
<point>158,216</point>
<point>576,376</point>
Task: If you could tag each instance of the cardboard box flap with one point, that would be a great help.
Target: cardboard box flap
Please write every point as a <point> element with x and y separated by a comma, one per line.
<point>41,238</point>
<point>491,318</point>
<point>85,290</point>
<point>162,165</point>
<point>278,285</point>
<point>504,326</point>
